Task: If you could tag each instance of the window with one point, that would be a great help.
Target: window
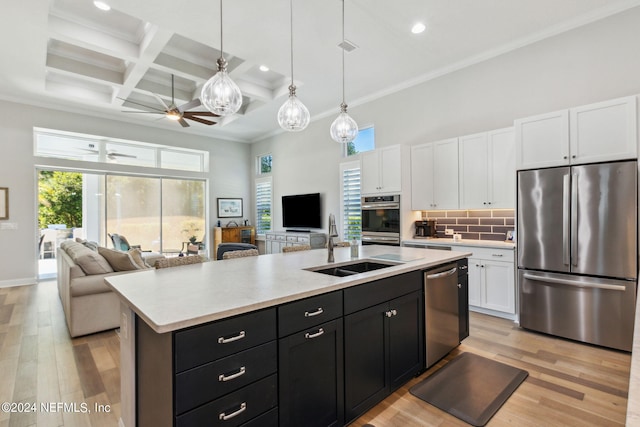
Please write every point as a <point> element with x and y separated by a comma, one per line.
<point>365,141</point>
<point>91,148</point>
<point>263,205</point>
<point>264,164</point>
<point>350,200</point>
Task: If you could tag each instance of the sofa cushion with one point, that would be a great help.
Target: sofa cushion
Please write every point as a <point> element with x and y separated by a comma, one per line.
<point>93,263</point>
<point>136,255</point>
<point>119,261</point>
<point>90,285</point>
<point>88,244</point>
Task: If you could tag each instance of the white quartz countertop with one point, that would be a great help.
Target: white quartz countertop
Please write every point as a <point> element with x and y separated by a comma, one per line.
<point>174,298</point>
<point>464,242</point>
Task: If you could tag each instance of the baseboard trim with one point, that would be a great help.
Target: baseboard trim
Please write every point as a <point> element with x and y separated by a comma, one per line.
<point>18,282</point>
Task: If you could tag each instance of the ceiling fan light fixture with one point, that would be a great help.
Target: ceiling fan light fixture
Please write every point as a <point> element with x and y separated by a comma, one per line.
<point>418,28</point>
<point>174,115</point>
<point>220,94</point>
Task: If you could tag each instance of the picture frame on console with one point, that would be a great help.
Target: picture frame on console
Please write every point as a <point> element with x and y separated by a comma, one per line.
<point>4,203</point>
<point>229,208</point>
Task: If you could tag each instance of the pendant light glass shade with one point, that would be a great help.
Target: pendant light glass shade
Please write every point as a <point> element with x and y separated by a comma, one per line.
<point>343,129</point>
<point>220,94</point>
<point>293,115</point>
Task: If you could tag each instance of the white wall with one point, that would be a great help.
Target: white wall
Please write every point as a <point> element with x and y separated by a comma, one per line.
<point>229,177</point>
<point>596,62</point>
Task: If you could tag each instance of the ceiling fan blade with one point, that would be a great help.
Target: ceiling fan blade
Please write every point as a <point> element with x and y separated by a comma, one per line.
<point>121,155</point>
<point>142,105</point>
<point>199,120</point>
<point>189,105</point>
<point>184,123</point>
<point>201,113</point>
<point>146,112</point>
<point>161,101</point>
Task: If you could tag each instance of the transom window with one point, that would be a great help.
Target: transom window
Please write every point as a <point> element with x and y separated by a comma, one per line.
<point>365,141</point>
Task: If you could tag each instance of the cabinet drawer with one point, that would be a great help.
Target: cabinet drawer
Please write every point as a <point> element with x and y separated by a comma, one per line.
<point>208,382</point>
<point>268,419</point>
<point>212,341</point>
<point>235,408</point>
<point>299,315</point>
<point>303,239</point>
<point>489,254</point>
<point>292,238</point>
<point>369,294</point>
<point>280,237</point>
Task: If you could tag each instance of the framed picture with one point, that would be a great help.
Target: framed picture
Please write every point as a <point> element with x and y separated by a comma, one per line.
<point>4,203</point>
<point>229,208</point>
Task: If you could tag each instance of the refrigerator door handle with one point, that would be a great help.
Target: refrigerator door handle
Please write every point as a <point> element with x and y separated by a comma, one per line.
<point>565,219</point>
<point>576,283</point>
<point>574,219</point>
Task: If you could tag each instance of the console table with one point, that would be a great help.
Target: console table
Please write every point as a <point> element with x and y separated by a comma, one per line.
<point>275,240</point>
<point>240,234</point>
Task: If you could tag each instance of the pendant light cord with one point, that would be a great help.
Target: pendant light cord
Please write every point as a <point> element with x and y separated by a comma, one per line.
<point>221,50</point>
<point>342,47</point>
<point>291,30</point>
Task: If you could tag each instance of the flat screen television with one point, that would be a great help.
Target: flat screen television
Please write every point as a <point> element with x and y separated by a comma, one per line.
<point>301,211</point>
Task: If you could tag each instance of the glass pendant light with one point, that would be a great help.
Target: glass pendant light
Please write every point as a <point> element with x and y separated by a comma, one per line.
<point>220,94</point>
<point>343,129</point>
<point>293,116</point>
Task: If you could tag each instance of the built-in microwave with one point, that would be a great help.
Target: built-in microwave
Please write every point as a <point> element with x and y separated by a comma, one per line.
<point>381,220</point>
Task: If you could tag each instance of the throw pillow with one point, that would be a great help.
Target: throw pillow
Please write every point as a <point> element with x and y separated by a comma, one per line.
<point>136,254</point>
<point>119,261</point>
<point>93,263</point>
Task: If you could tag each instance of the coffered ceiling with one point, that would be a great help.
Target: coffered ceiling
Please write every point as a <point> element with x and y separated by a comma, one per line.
<point>116,64</point>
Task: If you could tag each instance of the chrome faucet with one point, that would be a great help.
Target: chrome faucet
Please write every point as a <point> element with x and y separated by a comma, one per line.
<point>333,232</point>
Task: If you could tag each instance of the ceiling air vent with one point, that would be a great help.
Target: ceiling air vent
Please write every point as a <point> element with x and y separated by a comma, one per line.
<point>347,45</point>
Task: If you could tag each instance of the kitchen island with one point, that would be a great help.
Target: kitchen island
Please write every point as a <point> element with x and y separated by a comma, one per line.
<point>169,314</point>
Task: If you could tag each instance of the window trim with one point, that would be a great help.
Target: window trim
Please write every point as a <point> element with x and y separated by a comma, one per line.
<point>258,181</point>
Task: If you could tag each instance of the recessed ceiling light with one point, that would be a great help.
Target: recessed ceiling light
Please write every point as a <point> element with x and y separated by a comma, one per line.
<point>264,68</point>
<point>418,28</point>
<point>101,5</point>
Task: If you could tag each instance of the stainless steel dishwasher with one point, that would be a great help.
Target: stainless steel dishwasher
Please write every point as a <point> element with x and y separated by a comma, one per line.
<point>441,312</point>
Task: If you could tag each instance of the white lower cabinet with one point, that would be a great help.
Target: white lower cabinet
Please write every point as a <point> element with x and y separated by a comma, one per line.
<point>492,281</point>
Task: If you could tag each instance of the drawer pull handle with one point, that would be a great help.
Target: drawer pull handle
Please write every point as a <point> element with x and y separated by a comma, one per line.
<point>225,417</point>
<point>224,378</point>
<point>498,255</point>
<point>316,335</point>
<point>314,313</point>
<point>223,340</point>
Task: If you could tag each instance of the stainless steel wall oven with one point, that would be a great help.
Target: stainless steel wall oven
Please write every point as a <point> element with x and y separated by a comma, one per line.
<point>381,220</point>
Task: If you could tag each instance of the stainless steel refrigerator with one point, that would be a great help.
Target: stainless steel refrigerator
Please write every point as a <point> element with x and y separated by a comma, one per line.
<point>577,245</point>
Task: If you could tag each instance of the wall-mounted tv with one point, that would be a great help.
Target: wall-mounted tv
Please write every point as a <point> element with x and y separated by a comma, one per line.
<point>302,211</point>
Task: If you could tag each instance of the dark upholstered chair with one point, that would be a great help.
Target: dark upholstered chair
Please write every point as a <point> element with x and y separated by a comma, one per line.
<point>226,247</point>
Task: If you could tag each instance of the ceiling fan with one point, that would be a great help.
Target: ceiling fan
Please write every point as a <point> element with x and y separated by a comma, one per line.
<point>111,154</point>
<point>175,113</point>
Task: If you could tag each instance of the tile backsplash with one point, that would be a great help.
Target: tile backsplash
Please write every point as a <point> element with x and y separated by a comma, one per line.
<point>474,224</point>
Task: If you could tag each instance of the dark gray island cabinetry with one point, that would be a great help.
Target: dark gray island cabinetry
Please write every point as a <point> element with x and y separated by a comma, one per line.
<point>269,341</point>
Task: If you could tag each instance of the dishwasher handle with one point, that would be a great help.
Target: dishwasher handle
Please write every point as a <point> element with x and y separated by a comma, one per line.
<point>443,274</point>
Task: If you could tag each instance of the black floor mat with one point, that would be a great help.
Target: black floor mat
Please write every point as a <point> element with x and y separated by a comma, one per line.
<point>470,387</point>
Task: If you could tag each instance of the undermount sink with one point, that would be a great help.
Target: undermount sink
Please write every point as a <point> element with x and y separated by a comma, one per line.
<point>349,269</point>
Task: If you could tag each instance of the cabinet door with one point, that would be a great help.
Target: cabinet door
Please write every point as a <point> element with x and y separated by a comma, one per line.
<point>406,339</point>
<point>499,289</point>
<point>391,169</point>
<point>445,174</point>
<point>311,374</point>
<point>502,168</point>
<point>542,141</point>
<point>604,131</point>
<point>365,356</point>
<point>422,177</point>
<point>475,281</point>
<point>370,172</point>
<point>474,171</point>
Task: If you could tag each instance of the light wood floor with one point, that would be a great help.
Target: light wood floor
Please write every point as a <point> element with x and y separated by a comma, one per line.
<point>569,384</point>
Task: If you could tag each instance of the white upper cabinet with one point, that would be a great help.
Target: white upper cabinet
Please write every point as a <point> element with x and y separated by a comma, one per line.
<point>487,170</point>
<point>592,133</point>
<point>542,141</point>
<point>434,175</point>
<point>604,131</point>
<point>381,170</point>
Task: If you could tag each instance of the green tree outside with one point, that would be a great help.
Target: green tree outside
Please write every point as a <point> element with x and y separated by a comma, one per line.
<point>60,199</point>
